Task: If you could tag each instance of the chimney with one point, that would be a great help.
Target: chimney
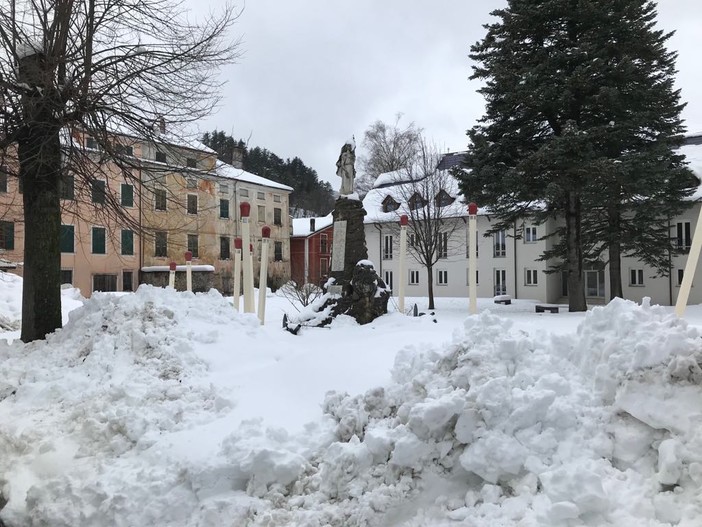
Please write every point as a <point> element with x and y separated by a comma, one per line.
<point>311,224</point>
<point>238,157</point>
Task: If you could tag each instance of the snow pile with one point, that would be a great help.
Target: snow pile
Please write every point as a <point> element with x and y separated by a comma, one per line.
<point>505,429</point>
<point>10,301</point>
<point>88,407</point>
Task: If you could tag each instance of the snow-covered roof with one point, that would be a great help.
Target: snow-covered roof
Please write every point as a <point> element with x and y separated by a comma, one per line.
<point>301,226</point>
<point>392,178</point>
<point>228,171</point>
<point>403,190</point>
<point>693,155</point>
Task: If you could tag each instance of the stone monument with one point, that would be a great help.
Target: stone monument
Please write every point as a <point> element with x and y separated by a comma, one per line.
<point>355,289</point>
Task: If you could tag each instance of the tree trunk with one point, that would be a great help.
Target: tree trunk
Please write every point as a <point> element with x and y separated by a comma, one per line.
<point>430,286</point>
<point>39,156</point>
<point>576,290</point>
<point>615,253</point>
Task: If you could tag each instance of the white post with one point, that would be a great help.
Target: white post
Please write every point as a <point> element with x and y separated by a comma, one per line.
<point>263,277</point>
<point>237,273</point>
<point>472,258</point>
<point>690,267</point>
<point>188,271</point>
<point>403,263</point>
<point>246,257</point>
<point>171,275</point>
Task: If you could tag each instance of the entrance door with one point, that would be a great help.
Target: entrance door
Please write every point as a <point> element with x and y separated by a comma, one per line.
<point>500,282</point>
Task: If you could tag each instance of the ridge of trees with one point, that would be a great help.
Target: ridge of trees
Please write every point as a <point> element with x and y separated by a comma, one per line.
<point>310,197</point>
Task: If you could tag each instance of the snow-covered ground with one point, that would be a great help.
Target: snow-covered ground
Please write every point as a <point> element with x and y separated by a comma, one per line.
<point>169,409</point>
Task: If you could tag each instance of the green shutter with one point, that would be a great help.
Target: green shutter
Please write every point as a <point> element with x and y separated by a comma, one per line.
<point>67,238</point>
<point>127,242</point>
<point>127,195</point>
<point>8,235</point>
<point>98,240</point>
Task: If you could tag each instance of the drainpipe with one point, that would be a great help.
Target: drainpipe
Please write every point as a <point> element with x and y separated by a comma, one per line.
<point>380,248</point>
<point>516,283</point>
<point>141,229</point>
<point>306,277</point>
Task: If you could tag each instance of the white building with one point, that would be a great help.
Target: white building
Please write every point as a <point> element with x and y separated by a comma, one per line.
<point>508,262</point>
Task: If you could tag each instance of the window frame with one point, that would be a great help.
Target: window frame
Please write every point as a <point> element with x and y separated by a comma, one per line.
<point>73,238</point>
<point>278,216</point>
<point>225,255</point>
<point>683,238</point>
<point>96,193</point>
<point>193,244</point>
<point>413,277</point>
<point>123,232</point>
<point>131,195</point>
<point>160,194</point>
<point>223,201</point>
<point>442,277</point>
<point>164,245</point>
<point>278,251</point>
<point>190,200</point>
<point>530,234</point>
<point>499,244</point>
<point>387,246</point>
<point>636,277</point>
<point>531,277</point>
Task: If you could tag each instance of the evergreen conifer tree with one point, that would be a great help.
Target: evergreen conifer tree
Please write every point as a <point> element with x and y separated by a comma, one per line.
<point>581,124</point>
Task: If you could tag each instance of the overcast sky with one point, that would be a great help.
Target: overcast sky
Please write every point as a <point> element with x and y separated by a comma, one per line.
<point>315,72</point>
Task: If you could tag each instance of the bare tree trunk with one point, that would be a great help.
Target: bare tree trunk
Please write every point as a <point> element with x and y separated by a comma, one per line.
<point>39,156</point>
<point>430,285</point>
<point>40,161</point>
<point>615,254</point>
<point>576,290</point>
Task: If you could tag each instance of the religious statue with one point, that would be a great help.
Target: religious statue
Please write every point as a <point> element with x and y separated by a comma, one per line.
<point>345,167</point>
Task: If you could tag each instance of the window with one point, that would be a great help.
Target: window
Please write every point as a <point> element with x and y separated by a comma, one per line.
<point>124,150</point>
<point>160,244</point>
<point>67,187</point>
<point>127,281</point>
<point>67,239</point>
<point>387,247</point>
<point>684,237</point>
<point>442,246</point>
<point>594,283</point>
<point>442,277</point>
<point>161,157</point>
<point>192,244</point>
<point>500,244</point>
<point>531,277</point>
<point>388,279</point>
<point>160,199</point>
<point>191,183</point>
<point>323,267</point>
<point>223,208</point>
<point>224,248</point>
<point>67,276</point>
<point>98,237</point>
<point>500,282</point>
<point>104,282</point>
<point>416,201</point>
<point>477,244</point>
<point>530,234</point>
<point>278,251</point>
<point>443,199</point>
<point>260,195</point>
<point>127,195</point>
<point>276,198</point>
<point>192,204</point>
<point>191,162</point>
<point>3,180</point>
<point>224,188</point>
<point>477,275</point>
<point>323,246</point>
<point>261,214</point>
<point>127,242</point>
<point>413,277</point>
<point>636,277</point>
<point>278,216</point>
<point>412,240</point>
<point>7,235</point>
<point>390,205</point>
<point>244,193</point>
<point>91,143</point>
<point>681,273</point>
<point>98,192</point>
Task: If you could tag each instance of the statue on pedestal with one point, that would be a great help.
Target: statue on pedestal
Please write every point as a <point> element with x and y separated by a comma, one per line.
<point>345,167</point>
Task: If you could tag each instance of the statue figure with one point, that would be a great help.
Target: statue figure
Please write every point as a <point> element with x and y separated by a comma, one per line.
<point>345,167</point>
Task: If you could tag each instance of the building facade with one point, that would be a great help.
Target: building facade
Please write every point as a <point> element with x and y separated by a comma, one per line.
<point>174,197</point>
<point>310,252</point>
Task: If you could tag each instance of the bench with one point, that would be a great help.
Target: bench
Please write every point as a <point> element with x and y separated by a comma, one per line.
<point>544,309</point>
<point>503,301</point>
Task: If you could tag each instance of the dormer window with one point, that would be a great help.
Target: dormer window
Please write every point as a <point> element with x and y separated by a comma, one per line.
<point>443,199</point>
<point>390,205</point>
<point>416,201</point>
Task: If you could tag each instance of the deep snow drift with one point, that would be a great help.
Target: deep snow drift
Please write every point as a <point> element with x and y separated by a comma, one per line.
<point>139,412</point>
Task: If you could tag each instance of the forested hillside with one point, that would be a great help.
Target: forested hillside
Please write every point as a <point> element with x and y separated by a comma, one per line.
<point>311,196</point>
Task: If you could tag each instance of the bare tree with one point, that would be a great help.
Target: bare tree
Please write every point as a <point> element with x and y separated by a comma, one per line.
<point>107,69</point>
<point>388,148</point>
<point>428,197</point>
